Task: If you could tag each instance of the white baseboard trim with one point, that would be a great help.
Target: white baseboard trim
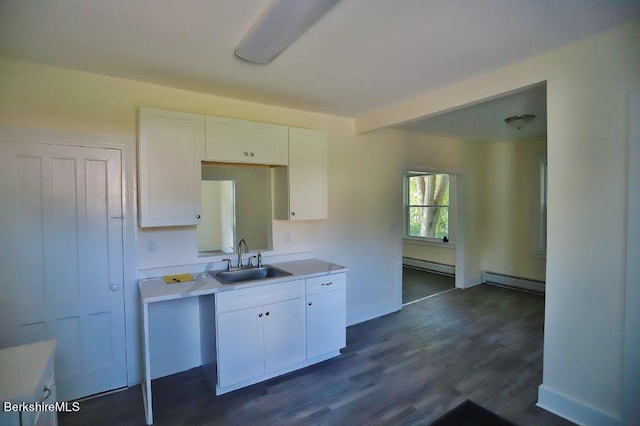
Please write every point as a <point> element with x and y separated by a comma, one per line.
<point>504,280</point>
<point>372,312</point>
<point>573,410</point>
<point>440,268</point>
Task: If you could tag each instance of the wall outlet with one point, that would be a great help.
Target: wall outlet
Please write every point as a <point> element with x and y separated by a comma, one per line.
<point>151,246</point>
<point>287,237</point>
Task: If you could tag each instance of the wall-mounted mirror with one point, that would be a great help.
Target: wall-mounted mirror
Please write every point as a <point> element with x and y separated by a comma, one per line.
<point>236,203</point>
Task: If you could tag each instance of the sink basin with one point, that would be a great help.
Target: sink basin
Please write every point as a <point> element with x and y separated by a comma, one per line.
<point>249,274</point>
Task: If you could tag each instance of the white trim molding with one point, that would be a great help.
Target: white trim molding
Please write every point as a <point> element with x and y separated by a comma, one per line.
<point>575,411</point>
<point>504,280</point>
<point>427,265</point>
<point>631,364</point>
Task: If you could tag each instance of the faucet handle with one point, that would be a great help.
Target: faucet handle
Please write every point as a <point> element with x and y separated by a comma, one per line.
<point>251,261</point>
<point>259,260</point>
<point>228,264</point>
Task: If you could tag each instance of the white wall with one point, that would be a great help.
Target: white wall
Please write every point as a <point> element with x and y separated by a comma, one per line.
<point>509,205</point>
<point>362,232</point>
<point>588,86</point>
<point>501,191</point>
<point>439,154</point>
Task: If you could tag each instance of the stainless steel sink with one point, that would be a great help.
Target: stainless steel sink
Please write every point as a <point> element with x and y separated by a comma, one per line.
<point>247,275</point>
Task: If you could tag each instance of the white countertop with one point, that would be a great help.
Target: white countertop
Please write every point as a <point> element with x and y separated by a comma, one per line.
<point>156,290</point>
<point>21,369</point>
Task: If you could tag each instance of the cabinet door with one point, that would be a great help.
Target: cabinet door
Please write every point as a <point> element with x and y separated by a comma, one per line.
<point>241,141</point>
<point>326,322</point>
<point>307,174</point>
<point>224,140</point>
<point>170,150</point>
<point>284,334</point>
<point>265,143</point>
<point>240,346</point>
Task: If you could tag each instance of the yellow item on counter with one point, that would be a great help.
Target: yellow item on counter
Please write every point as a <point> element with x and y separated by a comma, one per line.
<point>180,278</point>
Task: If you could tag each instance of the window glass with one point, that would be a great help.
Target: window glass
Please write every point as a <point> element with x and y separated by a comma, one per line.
<point>427,205</point>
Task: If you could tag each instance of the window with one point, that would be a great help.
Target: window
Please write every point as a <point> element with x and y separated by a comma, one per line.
<point>429,206</point>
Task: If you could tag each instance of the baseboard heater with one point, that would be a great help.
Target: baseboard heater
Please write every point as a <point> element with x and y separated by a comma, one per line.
<point>427,265</point>
<point>511,281</point>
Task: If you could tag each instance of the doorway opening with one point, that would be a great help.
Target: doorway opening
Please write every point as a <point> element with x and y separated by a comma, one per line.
<point>429,231</point>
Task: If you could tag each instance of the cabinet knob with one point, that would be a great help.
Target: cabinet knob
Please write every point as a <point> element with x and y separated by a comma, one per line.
<point>310,303</point>
<point>251,154</point>
<point>260,315</point>
<point>293,213</point>
<point>115,287</point>
<point>197,216</point>
<point>267,314</point>
<point>246,153</point>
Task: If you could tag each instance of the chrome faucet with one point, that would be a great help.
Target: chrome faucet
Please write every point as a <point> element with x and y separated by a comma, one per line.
<point>246,250</point>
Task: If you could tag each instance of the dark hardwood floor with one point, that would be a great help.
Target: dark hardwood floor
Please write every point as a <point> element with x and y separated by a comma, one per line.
<point>406,368</point>
<point>417,284</point>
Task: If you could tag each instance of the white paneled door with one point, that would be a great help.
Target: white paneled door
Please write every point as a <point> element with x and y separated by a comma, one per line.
<point>61,260</point>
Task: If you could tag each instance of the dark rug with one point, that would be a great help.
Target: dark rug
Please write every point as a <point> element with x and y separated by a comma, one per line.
<point>471,414</point>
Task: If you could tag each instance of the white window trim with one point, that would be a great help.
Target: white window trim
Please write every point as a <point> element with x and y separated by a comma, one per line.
<point>435,242</point>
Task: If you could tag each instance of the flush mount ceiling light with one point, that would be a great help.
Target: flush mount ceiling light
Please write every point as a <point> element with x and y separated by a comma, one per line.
<point>519,121</point>
<point>279,26</point>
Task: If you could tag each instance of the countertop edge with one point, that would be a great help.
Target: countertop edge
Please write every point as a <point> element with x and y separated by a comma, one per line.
<point>212,286</point>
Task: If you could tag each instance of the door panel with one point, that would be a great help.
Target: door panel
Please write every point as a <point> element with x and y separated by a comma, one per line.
<point>326,322</point>
<point>241,348</point>
<point>284,334</point>
<point>61,257</point>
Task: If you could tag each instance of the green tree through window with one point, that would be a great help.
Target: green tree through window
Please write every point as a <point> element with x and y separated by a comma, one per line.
<point>428,205</point>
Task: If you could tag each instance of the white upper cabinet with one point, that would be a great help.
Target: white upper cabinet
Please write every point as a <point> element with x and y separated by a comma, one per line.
<point>170,151</point>
<point>240,141</point>
<point>301,188</point>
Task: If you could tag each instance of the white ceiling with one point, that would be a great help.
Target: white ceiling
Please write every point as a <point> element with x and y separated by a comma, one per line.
<point>361,56</point>
<point>484,122</point>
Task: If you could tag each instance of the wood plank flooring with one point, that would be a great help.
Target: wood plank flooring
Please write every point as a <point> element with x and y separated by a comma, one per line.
<point>406,368</point>
<point>417,284</point>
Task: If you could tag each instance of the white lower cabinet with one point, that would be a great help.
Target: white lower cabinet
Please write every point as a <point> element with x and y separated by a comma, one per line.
<point>241,352</point>
<point>264,331</point>
<point>283,335</point>
<point>27,376</point>
<point>259,332</point>
<point>325,314</point>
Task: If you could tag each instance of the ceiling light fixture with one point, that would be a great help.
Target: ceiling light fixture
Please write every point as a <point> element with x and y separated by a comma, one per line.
<point>279,26</point>
<point>519,121</point>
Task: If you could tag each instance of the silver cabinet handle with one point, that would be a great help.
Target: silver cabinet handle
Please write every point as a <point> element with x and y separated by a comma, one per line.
<point>329,283</point>
<point>197,216</point>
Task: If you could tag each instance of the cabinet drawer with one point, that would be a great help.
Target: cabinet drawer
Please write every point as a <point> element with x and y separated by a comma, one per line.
<point>325,283</point>
<point>252,297</point>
